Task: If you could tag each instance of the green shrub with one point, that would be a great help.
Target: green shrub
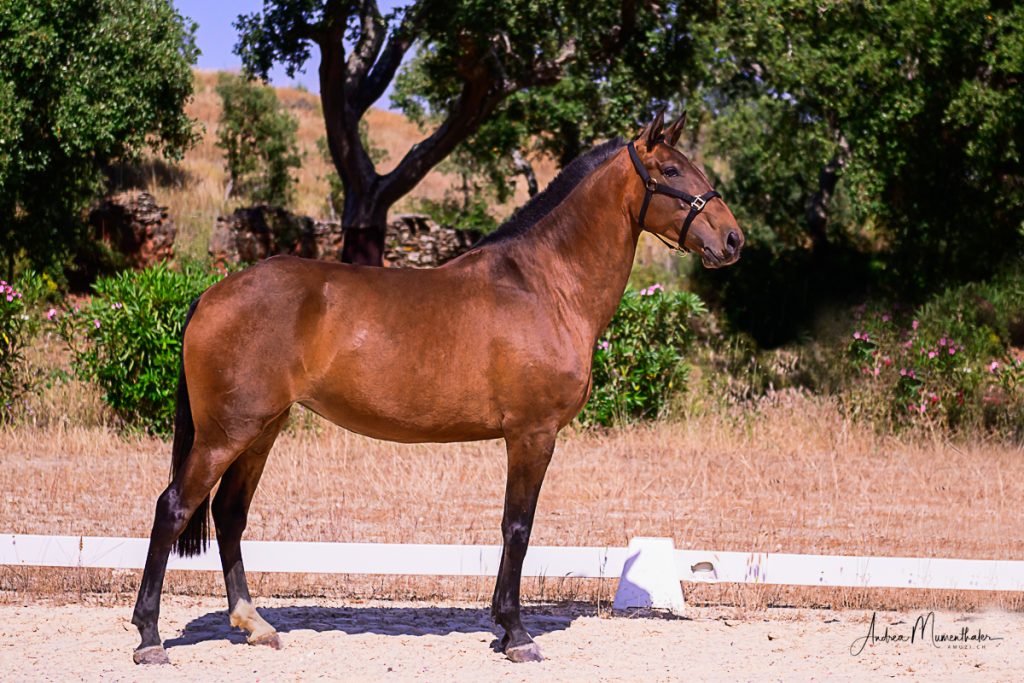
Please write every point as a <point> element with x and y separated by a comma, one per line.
<point>454,213</point>
<point>955,362</point>
<point>640,359</point>
<point>128,339</point>
<point>259,139</point>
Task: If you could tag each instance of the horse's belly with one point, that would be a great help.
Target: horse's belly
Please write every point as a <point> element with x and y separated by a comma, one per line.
<point>405,419</point>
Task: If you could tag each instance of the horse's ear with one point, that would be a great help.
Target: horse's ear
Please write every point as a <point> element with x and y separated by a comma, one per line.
<point>652,132</point>
<point>675,129</point>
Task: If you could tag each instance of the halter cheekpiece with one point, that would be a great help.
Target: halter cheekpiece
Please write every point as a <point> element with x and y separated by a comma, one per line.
<point>651,188</point>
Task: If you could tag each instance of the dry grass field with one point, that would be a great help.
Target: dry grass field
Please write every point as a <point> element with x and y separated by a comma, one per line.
<point>791,476</point>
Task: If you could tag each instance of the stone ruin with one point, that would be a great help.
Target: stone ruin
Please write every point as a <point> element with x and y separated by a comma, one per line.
<point>415,241</point>
<point>255,233</point>
<point>135,228</point>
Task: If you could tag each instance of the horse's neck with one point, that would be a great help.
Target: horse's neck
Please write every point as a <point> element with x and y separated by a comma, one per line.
<point>593,241</point>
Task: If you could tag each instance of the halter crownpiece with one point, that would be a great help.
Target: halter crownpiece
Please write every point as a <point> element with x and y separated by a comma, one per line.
<point>651,188</point>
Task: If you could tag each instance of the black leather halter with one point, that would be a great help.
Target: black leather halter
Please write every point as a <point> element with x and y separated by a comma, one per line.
<point>652,188</point>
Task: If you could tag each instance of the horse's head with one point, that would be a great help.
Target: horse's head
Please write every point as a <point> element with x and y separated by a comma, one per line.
<point>679,203</point>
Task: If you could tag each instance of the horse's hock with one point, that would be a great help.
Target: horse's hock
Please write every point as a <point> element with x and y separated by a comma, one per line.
<point>255,233</point>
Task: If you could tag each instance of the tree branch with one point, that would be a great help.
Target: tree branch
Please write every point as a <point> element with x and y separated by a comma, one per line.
<point>371,38</point>
<point>481,93</point>
<point>347,152</point>
<point>383,71</point>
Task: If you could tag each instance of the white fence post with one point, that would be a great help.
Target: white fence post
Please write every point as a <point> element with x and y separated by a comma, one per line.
<point>649,576</point>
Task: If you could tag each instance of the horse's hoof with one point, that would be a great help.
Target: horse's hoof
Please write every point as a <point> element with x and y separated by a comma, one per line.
<point>154,654</point>
<point>269,639</point>
<point>524,653</point>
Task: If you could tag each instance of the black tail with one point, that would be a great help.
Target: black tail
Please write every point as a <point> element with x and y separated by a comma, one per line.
<point>196,536</point>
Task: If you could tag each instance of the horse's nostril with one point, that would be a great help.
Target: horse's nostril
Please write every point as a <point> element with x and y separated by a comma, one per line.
<point>732,242</point>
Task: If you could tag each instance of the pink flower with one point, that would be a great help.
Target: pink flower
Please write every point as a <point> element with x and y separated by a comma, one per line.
<point>903,372</point>
<point>96,323</point>
<point>942,342</point>
<point>118,306</point>
<point>931,354</point>
<point>993,366</point>
<point>952,351</point>
<point>886,318</point>
<point>605,345</point>
<point>10,297</point>
<point>856,335</point>
<point>51,314</point>
<point>913,325</point>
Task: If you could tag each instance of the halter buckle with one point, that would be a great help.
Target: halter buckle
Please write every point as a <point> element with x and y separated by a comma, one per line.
<point>651,185</point>
<point>698,204</point>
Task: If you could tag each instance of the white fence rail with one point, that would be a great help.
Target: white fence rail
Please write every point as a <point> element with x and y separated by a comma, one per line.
<point>478,560</point>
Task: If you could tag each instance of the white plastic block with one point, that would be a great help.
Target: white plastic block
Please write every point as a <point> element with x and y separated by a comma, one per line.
<point>649,576</point>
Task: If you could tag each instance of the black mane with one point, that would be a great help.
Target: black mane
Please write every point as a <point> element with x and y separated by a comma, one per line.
<point>554,194</point>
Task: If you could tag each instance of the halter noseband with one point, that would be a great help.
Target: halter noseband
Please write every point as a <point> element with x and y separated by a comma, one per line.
<point>651,187</point>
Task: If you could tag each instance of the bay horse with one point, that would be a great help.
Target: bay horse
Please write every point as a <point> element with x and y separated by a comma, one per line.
<point>511,326</point>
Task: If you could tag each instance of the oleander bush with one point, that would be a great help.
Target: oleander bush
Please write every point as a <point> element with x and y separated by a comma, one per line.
<point>955,362</point>
<point>127,339</point>
<point>640,361</point>
<point>13,334</point>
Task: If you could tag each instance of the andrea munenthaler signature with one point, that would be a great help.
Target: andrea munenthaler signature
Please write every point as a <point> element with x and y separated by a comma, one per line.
<point>923,631</point>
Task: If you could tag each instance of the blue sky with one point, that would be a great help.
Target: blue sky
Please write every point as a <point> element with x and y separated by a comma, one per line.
<point>216,38</point>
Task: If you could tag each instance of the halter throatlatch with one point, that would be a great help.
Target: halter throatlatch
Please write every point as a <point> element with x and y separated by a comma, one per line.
<point>651,188</point>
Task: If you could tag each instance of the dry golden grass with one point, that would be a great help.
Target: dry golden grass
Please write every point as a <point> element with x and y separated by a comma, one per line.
<point>791,477</point>
<point>195,196</point>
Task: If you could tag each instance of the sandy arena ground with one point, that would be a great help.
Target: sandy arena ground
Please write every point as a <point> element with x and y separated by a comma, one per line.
<point>378,641</point>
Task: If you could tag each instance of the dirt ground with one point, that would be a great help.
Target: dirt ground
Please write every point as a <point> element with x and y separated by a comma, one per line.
<point>361,641</point>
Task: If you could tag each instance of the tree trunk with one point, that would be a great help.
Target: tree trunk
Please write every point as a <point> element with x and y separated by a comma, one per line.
<point>364,227</point>
<point>817,209</point>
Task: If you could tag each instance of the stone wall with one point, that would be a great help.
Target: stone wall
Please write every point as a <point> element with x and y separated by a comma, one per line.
<point>258,232</point>
<point>415,241</point>
<point>134,227</point>
<point>255,233</point>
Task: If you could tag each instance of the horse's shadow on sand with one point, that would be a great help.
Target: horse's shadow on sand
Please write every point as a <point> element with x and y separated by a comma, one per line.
<point>389,621</point>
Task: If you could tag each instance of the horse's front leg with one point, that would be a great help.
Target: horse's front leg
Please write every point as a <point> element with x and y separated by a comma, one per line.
<point>528,456</point>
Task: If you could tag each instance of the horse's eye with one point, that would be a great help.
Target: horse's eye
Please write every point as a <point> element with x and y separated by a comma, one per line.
<point>670,172</point>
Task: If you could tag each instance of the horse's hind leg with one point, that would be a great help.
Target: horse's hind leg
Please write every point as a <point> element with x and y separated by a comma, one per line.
<point>528,458</point>
<point>230,512</point>
<point>174,508</point>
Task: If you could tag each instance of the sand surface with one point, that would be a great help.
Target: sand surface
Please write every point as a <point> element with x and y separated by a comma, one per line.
<point>389,641</point>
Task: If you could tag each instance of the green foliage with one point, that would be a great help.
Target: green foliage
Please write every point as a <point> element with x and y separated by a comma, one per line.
<point>597,96</point>
<point>128,339</point>
<point>453,213</point>
<point>640,360</point>
<point>919,101</point>
<point>259,139</point>
<point>955,362</point>
<point>82,83</point>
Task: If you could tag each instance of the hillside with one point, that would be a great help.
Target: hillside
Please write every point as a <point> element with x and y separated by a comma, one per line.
<point>194,189</point>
